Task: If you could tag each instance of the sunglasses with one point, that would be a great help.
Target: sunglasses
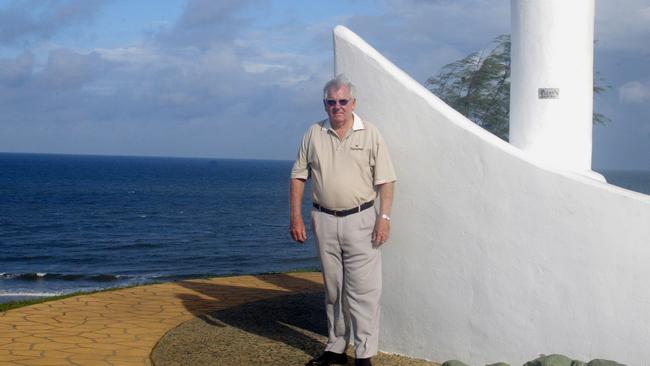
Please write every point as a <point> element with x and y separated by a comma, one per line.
<point>341,102</point>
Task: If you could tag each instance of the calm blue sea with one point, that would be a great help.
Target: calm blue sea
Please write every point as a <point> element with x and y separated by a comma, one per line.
<point>70,223</point>
<point>634,180</point>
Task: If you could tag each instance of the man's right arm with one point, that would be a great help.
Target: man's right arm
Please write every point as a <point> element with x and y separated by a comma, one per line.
<point>297,225</point>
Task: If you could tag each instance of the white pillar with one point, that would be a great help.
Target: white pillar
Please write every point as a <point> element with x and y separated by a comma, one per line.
<point>551,95</point>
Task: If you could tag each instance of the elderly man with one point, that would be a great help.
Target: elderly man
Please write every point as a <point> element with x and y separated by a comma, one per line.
<point>349,163</point>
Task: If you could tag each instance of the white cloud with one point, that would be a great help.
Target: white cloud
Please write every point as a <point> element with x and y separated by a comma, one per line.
<point>25,21</point>
<point>133,54</point>
<point>68,69</point>
<point>258,68</point>
<point>17,70</point>
<point>634,92</point>
<point>225,72</point>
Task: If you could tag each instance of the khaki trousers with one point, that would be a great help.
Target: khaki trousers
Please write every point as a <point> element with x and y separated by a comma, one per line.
<point>352,279</point>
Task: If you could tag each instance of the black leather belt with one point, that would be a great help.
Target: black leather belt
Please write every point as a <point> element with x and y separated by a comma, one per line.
<point>342,213</point>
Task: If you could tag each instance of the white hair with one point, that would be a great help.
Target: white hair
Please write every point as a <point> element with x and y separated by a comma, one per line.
<point>336,84</point>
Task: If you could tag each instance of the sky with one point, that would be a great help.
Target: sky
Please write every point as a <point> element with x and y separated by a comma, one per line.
<point>243,79</point>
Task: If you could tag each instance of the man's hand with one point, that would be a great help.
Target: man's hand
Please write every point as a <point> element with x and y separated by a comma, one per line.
<point>296,225</point>
<point>382,225</point>
<point>381,232</point>
<point>297,228</point>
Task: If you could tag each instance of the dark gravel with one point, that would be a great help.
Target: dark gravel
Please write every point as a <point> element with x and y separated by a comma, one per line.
<point>282,331</point>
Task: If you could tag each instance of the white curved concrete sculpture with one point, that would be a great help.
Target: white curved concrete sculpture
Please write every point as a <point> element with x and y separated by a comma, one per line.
<point>494,257</point>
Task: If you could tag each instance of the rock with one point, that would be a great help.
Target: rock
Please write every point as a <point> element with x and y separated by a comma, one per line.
<point>454,363</point>
<point>550,360</point>
<point>599,362</point>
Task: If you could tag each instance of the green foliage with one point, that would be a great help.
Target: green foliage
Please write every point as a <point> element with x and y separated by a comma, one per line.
<point>478,86</point>
<point>599,88</point>
<point>20,303</point>
<point>5,306</point>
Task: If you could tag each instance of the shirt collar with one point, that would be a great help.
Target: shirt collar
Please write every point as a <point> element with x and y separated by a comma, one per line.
<point>356,125</point>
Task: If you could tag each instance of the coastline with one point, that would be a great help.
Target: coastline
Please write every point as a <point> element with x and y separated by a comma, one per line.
<point>124,325</point>
<point>4,299</point>
<point>17,300</point>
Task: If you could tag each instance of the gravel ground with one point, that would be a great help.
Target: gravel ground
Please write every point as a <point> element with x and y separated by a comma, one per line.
<point>283,331</point>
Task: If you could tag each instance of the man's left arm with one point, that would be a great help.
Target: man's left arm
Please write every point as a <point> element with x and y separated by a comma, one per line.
<point>381,231</point>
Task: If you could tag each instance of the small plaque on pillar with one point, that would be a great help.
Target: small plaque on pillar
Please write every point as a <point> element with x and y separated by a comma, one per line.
<point>548,93</point>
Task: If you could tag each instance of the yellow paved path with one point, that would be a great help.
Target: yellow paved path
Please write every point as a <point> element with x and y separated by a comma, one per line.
<point>121,327</point>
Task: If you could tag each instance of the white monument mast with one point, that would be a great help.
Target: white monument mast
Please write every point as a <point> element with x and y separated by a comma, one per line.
<point>551,95</point>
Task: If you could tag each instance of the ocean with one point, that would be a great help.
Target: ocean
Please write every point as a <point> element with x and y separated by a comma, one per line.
<point>81,223</point>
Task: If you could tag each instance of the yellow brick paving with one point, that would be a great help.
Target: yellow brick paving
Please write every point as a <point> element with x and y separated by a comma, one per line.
<point>122,327</point>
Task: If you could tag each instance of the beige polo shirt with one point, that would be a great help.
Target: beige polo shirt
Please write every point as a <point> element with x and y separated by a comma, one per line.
<point>344,172</point>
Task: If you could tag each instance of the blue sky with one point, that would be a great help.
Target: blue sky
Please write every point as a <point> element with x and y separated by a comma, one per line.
<point>242,79</point>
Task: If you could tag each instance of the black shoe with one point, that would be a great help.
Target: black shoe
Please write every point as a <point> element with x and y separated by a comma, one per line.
<point>362,362</point>
<point>329,358</point>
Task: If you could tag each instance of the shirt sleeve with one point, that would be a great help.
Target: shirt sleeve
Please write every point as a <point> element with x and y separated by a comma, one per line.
<point>384,172</point>
<point>300,168</point>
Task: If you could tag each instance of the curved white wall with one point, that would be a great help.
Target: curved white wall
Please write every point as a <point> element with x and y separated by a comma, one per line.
<point>552,50</point>
<point>492,257</point>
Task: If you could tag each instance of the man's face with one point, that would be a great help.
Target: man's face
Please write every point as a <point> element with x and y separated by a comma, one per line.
<point>338,113</point>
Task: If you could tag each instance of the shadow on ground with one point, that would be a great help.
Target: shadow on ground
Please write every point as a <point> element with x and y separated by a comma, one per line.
<point>278,329</point>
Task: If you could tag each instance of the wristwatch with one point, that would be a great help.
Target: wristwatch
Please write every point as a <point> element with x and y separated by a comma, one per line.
<point>385,217</point>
